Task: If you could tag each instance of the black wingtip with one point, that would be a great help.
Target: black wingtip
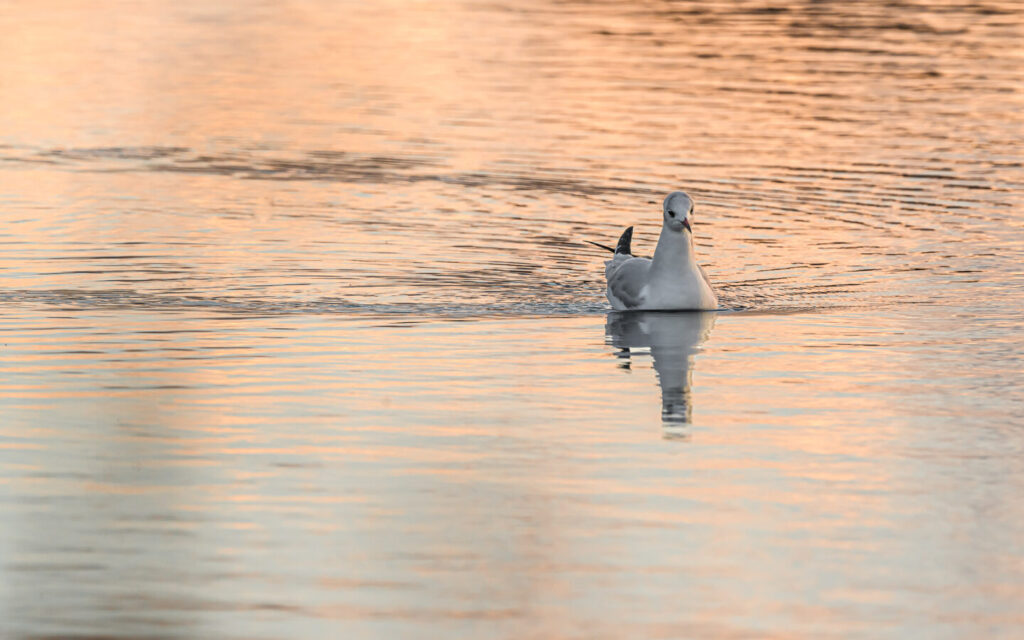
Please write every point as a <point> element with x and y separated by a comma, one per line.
<point>598,244</point>
<point>625,242</point>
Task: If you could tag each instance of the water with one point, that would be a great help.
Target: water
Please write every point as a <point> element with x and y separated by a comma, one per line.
<point>300,336</point>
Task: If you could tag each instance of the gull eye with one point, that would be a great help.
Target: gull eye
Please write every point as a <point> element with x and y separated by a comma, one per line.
<point>671,213</point>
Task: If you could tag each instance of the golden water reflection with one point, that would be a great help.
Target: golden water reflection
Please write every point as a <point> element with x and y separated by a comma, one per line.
<point>299,336</point>
<point>400,469</point>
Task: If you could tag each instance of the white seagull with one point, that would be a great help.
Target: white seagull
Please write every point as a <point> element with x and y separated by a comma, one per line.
<point>672,280</point>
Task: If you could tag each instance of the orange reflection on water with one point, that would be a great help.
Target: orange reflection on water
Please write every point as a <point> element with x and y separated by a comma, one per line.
<point>306,281</point>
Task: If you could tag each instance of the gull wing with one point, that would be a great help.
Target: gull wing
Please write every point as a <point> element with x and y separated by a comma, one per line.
<point>627,280</point>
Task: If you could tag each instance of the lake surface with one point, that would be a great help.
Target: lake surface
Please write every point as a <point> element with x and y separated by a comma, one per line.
<point>300,338</point>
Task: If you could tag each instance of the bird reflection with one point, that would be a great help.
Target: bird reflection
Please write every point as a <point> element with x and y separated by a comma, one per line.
<point>673,338</point>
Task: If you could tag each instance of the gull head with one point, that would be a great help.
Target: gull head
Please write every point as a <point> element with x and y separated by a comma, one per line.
<point>678,212</point>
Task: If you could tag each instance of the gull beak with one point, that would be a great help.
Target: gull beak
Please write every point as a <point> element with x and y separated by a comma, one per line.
<point>686,223</point>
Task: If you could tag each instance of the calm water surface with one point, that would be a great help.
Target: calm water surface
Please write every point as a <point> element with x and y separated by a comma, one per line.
<point>299,337</point>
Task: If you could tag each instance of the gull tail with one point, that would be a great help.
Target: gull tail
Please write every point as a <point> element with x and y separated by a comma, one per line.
<point>625,242</point>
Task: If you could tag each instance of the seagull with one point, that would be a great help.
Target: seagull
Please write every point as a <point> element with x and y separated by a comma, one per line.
<point>672,280</point>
